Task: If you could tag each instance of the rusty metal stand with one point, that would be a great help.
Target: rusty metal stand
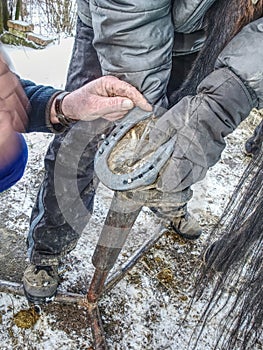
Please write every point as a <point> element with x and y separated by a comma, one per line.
<point>119,221</point>
<point>118,224</point>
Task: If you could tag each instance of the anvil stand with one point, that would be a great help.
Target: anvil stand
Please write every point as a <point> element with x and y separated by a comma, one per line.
<point>118,224</point>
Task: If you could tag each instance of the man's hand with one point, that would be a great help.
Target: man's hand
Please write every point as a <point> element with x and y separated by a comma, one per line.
<point>13,152</point>
<point>107,97</point>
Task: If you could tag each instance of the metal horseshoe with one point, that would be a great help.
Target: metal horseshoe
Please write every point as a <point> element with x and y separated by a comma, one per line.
<point>143,175</point>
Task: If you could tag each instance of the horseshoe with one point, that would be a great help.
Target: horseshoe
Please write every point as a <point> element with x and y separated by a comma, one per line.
<point>145,174</point>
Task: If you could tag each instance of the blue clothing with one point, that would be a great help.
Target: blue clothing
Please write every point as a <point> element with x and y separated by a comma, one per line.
<point>13,171</point>
<point>40,98</point>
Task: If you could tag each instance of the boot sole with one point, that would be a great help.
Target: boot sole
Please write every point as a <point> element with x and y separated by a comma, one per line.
<point>185,235</point>
<point>39,300</point>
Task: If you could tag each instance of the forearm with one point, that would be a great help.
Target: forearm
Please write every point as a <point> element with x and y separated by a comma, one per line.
<point>223,100</point>
<point>200,124</point>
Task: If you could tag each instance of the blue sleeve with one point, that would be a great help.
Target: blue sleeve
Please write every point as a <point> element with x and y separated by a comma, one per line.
<point>14,170</point>
<point>40,98</point>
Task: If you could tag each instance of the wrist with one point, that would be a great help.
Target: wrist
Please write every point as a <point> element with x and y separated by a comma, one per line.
<point>58,110</point>
<point>52,114</point>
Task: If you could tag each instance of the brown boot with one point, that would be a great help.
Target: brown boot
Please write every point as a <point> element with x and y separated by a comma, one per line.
<point>186,226</point>
<point>40,283</point>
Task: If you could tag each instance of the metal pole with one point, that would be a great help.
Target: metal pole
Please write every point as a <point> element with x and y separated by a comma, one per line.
<point>17,289</point>
<point>119,222</point>
<point>132,261</point>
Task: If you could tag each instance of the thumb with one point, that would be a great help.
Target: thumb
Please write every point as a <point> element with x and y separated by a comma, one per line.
<point>126,103</point>
<point>107,105</point>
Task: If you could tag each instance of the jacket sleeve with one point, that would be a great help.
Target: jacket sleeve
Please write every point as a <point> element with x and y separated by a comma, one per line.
<point>84,12</point>
<point>40,98</point>
<point>134,40</point>
<point>200,123</point>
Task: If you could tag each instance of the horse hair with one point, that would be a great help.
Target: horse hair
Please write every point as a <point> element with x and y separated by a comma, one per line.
<point>235,262</point>
<point>223,21</point>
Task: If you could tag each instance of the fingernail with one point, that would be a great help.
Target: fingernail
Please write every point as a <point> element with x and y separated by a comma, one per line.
<point>127,104</point>
<point>148,107</point>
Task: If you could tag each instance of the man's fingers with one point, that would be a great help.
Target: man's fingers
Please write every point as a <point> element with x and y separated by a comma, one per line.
<point>13,97</point>
<point>106,97</point>
<point>19,112</point>
<point>108,105</point>
<point>117,87</point>
<point>133,94</point>
<point>9,147</point>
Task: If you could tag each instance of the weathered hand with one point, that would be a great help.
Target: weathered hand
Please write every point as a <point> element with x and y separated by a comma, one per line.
<point>106,97</point>
<point>13,153</point>
<point>8,143</point>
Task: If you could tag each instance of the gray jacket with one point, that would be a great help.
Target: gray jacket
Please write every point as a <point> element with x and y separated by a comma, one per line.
<point>135,40</point>
<point>223,100</point>
<point>187,15</point>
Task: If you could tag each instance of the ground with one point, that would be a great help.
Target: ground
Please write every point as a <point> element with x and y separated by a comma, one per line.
<point>146,309</point>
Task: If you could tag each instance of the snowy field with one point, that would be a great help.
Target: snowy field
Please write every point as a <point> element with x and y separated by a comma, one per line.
<point>146,309</point>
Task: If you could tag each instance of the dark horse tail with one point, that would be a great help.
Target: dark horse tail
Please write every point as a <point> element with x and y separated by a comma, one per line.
<point>231,279</point>
<point>223,21</point>
<point>235,262</point>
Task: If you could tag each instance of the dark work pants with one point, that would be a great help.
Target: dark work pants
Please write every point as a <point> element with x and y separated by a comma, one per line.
<point>65,199</point>
<point>50,235</point>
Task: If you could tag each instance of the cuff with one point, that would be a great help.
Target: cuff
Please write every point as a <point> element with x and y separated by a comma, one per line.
<point>54,128</point>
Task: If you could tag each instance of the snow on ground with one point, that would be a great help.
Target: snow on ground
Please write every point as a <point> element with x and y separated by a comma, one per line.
<point>144,311</point>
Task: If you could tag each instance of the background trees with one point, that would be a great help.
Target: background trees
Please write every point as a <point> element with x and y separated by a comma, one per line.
<point>4,14</point>
<point>48,16</point>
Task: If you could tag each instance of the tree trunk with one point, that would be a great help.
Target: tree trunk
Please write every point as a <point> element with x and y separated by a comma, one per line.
<point>18,9</point>
<point>3,15</point>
